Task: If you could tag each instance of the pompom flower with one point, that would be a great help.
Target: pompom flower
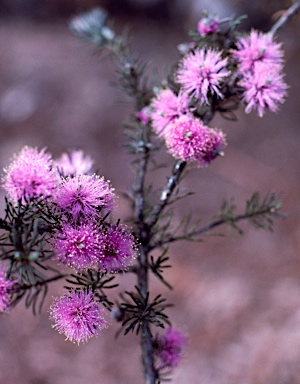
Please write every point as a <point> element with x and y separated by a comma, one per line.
<point>30,175</point>
<point>207,24</point>
<point>5,290</point>
<point>166,108</point>
<point>257,46</point>
<point>168,349</point>
<point>189,140</point>
<point>117,247</point>
<point>264,88</point>
<point>82,196</point>
<point>74,163</point>
<point>78,316</point>
<point>201,72</point>
<point>77,246</point>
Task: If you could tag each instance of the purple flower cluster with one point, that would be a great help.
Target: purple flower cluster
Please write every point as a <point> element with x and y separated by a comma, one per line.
<point>207,24</point>
<point>168,349</point>
<point>203,76</point>
<point>83,240</point>
<point>186,137</point>
<point>260,61</point>
<point>190,140</point>
<point>263,88</point>
<point>30,175</point>
<point>201,72</point>
<point>83,196</point>
<point>117,248</point>
<point>257,46</point>
<point>78,316</point>
<point>77,246</point>
<point>108,248</point>
<point>200,75</point>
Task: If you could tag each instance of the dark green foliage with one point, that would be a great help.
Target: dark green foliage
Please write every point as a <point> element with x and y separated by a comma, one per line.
<point>157,267</point>
<point>259,212</point>
<point>97,283</point>
<point>140,310</point>
<point>24,246</point>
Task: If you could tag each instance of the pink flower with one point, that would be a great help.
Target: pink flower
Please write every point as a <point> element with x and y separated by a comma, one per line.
<point>5,290</point>
<point>208,24</point>
<point>77,246</point>
<point>30,175</point>
<point>117,247</point>
<point>144,115</point>
<point>264,88</point>
<point>255,47</point>
<point>74,163</point>
<point>166,108</point>
<point>201,73</point>
<point>189,140</point>
<point>78,316</point>
<point>83,196</point>
<point>168,349</point>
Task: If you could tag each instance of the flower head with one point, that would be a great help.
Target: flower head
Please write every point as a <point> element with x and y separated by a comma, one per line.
<point>144,115</point>
<point>166,108</point>
<point>257,46</point>
<point>77,246</point>
<point>189,140</point>
<point>74,163</point>
<point>118,249</point>
<point>201,72</point>
<point>207,24</point>
<point>78,316</point>
<point>30,175</point>
<point>5,290</point>
<point>264,88</point>
<point>82,196</point>
<point>168,348</point>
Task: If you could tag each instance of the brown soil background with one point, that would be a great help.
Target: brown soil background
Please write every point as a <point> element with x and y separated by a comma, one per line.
<point>238,300</point>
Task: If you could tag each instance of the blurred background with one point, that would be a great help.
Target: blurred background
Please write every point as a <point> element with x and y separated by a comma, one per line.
<point>237,299</point>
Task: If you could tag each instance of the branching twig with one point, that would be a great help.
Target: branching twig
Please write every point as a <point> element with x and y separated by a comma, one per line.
<point>285,17</point>
<point>25,287</point>
<point>212,225</point>
<point>138,189</point>
<point>166,193</point>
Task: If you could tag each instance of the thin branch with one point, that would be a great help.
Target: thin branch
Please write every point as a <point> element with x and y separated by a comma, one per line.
<point>147,348</point>
<point>287,15</point>
<point>166,192</point>
<point>209,227</point>
<point>24,287</point>
<point>138,189</point>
